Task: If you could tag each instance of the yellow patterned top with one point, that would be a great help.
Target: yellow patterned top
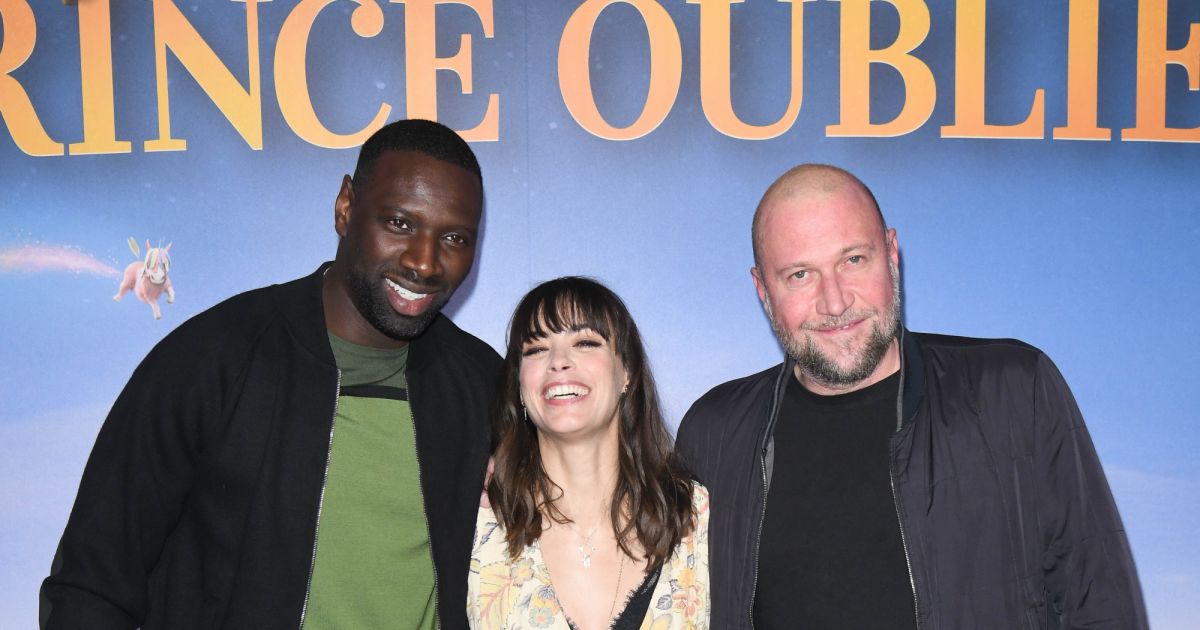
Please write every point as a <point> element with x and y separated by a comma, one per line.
<point>516,593</point>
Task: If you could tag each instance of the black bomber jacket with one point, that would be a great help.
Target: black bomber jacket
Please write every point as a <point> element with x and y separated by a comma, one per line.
<point>199,504</point>
<point>1006,517</point>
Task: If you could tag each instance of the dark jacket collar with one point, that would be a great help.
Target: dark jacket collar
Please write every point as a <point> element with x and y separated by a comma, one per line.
<point>912,374</point>
<point>912,379</point>
<point>300,302</point>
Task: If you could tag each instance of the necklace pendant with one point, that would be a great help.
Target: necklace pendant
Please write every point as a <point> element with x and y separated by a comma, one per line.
<point>587,562</point>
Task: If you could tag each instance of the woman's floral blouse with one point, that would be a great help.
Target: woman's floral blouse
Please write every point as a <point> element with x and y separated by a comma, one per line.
<point>517,593</point>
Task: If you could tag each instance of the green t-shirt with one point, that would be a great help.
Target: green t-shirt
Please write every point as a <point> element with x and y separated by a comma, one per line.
<point>373,566</point>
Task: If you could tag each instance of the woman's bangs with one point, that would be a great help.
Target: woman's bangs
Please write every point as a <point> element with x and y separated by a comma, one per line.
<point>568,311</point>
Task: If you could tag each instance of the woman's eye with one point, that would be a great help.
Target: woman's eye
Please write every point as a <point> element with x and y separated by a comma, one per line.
<point>529,351</point>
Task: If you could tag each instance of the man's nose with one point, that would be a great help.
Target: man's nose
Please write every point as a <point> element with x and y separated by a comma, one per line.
<point>421,256</point>
<point>834,298</point>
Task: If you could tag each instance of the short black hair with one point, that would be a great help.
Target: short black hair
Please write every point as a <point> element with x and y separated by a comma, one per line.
<point>423,136</point>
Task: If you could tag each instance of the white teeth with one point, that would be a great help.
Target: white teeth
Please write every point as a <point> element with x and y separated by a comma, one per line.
<point>404,293</point>
<point>565,391</point>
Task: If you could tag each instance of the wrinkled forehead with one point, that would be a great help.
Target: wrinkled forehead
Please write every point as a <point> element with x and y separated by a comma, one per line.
<point>813,228</point>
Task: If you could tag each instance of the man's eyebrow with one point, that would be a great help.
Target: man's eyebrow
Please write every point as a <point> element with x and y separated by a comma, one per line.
<point>845,250</point>
<point>867,246</point>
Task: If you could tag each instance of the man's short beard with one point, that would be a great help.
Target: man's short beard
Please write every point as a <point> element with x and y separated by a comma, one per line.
<point>379,313</point>
<point>825,371</point>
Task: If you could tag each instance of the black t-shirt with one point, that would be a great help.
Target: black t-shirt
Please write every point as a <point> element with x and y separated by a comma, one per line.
<point>831,554</point>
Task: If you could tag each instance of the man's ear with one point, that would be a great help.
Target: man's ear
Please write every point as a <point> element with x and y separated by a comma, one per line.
<point>759,286</point>
<point>342,206</point>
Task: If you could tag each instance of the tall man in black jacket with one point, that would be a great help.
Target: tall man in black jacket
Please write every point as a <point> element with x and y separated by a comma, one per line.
<point>305,455</point>
<point>885,479</point>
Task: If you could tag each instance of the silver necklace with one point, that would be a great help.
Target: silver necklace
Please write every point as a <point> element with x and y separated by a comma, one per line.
<point>585,546</point>
<point>617,590</point>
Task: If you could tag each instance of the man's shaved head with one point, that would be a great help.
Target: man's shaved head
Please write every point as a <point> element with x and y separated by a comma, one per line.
<point>826,269</point>
<point>805,180</point>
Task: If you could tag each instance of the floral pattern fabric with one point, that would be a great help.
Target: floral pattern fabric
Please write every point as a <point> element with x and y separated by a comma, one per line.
<point>516,593</point>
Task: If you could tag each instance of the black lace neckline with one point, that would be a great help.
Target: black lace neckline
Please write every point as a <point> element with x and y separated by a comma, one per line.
<point>633,611</point>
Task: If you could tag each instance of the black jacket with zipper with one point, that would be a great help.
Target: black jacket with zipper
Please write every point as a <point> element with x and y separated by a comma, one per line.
<point>199,504</point>
<point>1005,514</point>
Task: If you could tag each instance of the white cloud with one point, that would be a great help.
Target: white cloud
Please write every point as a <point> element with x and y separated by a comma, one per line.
<point>44,258</point>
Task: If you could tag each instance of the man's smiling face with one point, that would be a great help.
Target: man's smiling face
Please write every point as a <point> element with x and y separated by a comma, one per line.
<point>827,277</point>
<point>408,241</point>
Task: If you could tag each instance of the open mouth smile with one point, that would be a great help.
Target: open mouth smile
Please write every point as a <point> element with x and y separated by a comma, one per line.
<point>405,293</point>
<point>565,392</point>
<point>408,302</point>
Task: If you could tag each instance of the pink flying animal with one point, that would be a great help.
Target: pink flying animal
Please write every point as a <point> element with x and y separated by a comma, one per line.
<point>147,278</point>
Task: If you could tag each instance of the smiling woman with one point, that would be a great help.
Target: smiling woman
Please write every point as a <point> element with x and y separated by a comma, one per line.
<point>570,379</point>
<point>586,487</point>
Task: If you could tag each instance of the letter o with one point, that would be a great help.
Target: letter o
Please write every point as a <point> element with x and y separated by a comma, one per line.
<point>575,79</point>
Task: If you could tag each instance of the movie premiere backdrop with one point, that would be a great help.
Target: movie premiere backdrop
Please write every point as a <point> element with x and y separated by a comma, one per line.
<point>1037,157</point>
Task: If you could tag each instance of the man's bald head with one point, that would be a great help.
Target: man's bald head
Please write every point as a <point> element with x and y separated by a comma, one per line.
<point>826,270</point>
<point>807,180</point>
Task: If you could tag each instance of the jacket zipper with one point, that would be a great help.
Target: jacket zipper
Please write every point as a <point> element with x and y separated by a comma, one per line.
<point>904,544</point>
<point>312,562</point>
<point>912,582</point>
<point>762,456</point>
<point>776,396</point>
<point>412,407</point>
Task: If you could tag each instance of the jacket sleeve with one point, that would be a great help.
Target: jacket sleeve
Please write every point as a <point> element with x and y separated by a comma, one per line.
<point>689,441</point>
<point>132,492</point>
<point>1090,578</point>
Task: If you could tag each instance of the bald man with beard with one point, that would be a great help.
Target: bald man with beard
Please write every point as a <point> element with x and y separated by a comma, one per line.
<point>879,478</point>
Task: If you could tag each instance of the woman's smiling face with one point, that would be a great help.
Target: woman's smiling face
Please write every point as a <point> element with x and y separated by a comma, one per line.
<point>571,383</point>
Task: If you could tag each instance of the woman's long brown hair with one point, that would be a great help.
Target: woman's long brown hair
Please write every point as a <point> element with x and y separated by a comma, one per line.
<point>652,500</point>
